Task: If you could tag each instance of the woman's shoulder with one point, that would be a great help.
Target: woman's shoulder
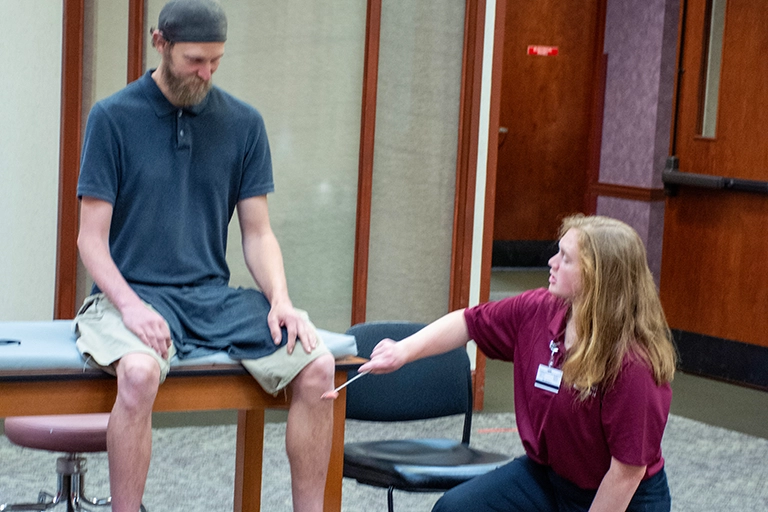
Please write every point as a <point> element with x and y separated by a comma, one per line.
<point>530,304</point>
<point>540,298</point>
<point>637,373</point>
<point>541,295</point>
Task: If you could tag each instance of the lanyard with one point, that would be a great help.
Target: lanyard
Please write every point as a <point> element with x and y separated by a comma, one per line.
<point>554,349</point>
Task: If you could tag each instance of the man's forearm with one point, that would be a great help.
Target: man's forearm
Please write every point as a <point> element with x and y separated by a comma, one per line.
<point>101,267</point>
<point>265,263</point>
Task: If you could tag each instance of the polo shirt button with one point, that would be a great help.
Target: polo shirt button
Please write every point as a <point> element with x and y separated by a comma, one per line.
<point>180,112</point>
<point>181,133</point>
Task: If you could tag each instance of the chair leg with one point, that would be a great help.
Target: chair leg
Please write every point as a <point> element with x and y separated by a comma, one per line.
<point>45,501</point>
<point>81,501</point>
<point>71,491</point>
<point>28,507</point>
<point>390,499</point>
<point>77,498</point>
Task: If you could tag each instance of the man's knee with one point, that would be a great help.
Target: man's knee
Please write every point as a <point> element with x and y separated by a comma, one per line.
<point>138,379</point>
<point>317,374</point>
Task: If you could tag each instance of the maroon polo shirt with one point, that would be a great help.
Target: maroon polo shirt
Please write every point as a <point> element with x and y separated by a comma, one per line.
<point>577,439</point>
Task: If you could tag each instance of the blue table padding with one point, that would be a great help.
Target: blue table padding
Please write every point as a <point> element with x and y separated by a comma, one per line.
<point>51,345</point>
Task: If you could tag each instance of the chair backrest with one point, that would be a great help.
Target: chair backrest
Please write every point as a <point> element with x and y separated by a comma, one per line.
<point>432,387</point>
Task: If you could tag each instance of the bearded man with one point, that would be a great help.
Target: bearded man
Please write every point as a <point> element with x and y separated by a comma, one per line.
<point>166,162</point>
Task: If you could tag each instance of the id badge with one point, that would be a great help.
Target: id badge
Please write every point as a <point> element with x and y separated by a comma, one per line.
<point>548,378</point>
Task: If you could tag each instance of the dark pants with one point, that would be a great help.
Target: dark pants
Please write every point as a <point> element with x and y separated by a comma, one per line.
<point>524,485</point>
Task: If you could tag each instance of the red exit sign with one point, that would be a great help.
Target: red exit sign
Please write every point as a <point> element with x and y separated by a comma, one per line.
<point>543,51</point>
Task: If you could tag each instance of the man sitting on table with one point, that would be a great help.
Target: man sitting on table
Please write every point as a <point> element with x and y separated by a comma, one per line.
<point>166,161</point>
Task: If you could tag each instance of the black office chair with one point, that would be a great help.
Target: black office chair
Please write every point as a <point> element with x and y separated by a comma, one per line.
<point>433,387</point>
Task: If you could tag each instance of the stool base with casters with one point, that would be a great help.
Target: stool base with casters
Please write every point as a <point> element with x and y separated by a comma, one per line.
<point>73,435</point>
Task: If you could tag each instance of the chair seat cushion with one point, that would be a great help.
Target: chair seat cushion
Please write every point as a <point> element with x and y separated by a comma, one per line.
<point>73,433</point>
<point>417,464</point>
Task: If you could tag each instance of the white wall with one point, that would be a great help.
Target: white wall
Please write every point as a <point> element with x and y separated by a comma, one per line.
<point>30,43</point>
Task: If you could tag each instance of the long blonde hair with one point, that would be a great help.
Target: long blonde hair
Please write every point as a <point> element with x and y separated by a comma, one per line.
<point>618,310</point>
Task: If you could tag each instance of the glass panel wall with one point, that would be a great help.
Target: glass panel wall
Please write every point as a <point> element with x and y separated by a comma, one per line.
<point>300,63</point>
<point>105,55</point>
<point>415,152</point>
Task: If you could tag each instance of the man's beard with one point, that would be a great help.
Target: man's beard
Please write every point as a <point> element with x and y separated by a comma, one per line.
<point>186,91</point>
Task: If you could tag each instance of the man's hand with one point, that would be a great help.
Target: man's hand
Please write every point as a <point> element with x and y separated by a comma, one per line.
<point>387,356</point>
<point>284,315</point>
<point>149,326</point>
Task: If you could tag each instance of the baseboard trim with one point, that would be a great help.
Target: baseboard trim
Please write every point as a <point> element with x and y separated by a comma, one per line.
<point>723,359</point>
<point>522,253</point>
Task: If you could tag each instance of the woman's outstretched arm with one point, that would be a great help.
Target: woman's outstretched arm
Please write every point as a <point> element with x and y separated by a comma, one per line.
<point>442,335</point>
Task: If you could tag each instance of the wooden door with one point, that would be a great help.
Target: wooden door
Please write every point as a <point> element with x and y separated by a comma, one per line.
<point>545,110</point>
<point>714,277</point>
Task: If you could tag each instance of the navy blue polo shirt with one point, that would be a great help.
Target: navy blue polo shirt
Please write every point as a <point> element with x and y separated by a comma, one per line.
<point>174,176</point>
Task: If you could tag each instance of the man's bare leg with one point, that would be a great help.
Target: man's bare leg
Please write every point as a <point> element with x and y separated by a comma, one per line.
<point>129,435</point>
<point>308,434</point>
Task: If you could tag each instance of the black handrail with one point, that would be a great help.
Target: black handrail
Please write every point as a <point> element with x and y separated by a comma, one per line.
<point>672,178</point>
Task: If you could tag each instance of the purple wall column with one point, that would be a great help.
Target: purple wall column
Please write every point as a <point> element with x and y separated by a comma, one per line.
<point>641,44</point>
<point>646,218</point>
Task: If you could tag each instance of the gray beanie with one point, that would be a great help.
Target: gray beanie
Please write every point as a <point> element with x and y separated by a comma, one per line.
<point>198,21</point>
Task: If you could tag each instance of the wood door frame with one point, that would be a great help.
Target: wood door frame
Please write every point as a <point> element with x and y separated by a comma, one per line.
<point>136,19</point>
<point>466,160</point>
<point>365,170</point>
<point>69,157</point>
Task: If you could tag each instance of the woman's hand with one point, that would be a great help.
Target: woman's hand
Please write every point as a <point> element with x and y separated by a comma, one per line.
<point>386,357</point>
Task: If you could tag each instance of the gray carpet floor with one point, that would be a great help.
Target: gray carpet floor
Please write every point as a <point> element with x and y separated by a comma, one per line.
<point>709,468</point>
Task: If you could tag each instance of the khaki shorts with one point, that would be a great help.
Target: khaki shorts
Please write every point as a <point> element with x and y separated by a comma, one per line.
<point>103,339</point>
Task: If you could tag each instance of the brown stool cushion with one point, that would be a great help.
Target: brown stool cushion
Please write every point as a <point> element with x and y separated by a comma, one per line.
<point>70,433</point>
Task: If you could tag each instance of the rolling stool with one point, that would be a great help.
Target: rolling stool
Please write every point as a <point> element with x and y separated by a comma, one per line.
<point>73,434</point>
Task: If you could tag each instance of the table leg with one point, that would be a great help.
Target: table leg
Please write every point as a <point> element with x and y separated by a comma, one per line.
<point>336,466</point>
<point>248,460</point>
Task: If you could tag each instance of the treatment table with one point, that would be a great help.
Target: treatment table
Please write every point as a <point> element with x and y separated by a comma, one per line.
<point>44,374</point>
